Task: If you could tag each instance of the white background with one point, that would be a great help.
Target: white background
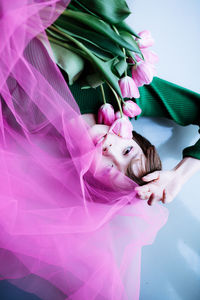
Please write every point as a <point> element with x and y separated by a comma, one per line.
<point>171,266</point>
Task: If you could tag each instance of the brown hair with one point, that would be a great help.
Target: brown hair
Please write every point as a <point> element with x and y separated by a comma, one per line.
<point>153,162</point>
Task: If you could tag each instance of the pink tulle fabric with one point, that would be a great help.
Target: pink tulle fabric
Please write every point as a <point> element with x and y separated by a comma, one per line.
<point>67,231</point>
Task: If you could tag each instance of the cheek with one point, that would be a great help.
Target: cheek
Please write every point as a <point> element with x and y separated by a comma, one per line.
<point>105,161</point>
<point>138,166</point>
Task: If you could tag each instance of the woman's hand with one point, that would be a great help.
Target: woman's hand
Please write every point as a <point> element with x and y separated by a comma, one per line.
<point>165,185</point>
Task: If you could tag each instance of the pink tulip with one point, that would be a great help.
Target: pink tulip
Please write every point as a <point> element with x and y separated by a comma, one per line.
<point>122,127</point>
<point>118,115</point>
<point>106,114</point>
<point>149,56</point>
<point>131,109</point>
<point>143,74</point>
<point>128,88</point>
<point>145,40</point>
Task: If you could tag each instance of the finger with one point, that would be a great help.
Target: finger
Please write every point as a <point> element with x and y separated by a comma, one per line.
<point>166,197</point>
<point>151,176</point>
<point>153,199</point>
<point>143,189</point>
<point>144,196</point>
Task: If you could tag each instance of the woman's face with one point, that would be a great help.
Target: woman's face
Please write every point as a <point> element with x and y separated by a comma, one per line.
<point>118,152</point>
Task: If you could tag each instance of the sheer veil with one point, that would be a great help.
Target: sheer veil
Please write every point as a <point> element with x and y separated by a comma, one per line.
<point>66,232</point>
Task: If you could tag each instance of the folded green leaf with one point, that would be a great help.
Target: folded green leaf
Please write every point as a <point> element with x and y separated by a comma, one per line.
<point>95,24</point>
<point>69,61</point>
<point>125,27</point>
<point>129,38</point>
<point>111,11</point>
<point>131,54</point>
<point>120,67</point>
<point>94,80</point>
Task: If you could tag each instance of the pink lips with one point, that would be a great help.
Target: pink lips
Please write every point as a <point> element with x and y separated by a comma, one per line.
<point>99,138</point>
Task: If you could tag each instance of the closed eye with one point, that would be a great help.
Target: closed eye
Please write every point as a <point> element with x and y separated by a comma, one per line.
<point>127,150</point>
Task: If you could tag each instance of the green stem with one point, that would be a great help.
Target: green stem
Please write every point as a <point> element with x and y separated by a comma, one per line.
<point>117,98</point>
<point>66,46</point>
<point>115,29</point>
<point>103,94</point>
<point>123,101</point>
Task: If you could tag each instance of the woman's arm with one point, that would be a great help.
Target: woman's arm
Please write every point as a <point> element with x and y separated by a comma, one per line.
<point>165,99</point>
<point>165,185</point>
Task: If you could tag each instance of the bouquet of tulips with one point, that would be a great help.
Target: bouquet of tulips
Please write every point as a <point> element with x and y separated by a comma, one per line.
<point>91,36</point>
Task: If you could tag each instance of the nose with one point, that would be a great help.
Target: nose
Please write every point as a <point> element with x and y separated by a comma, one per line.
<point>107,149</point>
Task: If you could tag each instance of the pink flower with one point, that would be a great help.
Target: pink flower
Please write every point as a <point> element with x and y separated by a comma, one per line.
<point>145,40</point>
<point>149,56</point>
<point>143,74</point>
<point>131,109</point>
<point>106,114</point>
<point>128,87</point>
<point>118,115</point>
<point>122,127</point>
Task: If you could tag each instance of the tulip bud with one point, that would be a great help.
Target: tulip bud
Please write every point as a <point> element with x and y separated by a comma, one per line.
<point>106,114</point>
<point>131,109</point>
<point>118,115</point>
<point>122,127</point>
<point>145,40</point>
<point>128,87</point>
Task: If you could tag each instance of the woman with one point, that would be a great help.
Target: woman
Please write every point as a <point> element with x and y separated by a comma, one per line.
<point>67,230</point>
<point>159,99</point>
<point>60,219</point>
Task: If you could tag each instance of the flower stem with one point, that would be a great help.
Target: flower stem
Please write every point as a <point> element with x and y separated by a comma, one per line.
<point>117,98</point>
<point>103,94</point>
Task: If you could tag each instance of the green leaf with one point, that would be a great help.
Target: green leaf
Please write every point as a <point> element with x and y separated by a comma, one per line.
<point>61,40</point>
<point>96,50</point>
<point>129,38</point>
<point>79,6</point>
<point>123,26</point>
<point>69,61</point>
<point>120,67</point>
<point>73,7</point>
<point>132,55</point>
<point>95,24</point>
<point>66,45</point>
<point>112,11</point>
<point>72,28</point>
<point>104,68</point>
<point>94,80</point>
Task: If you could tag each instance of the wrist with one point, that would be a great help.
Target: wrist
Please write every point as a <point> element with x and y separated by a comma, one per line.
<point>186,168</point>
